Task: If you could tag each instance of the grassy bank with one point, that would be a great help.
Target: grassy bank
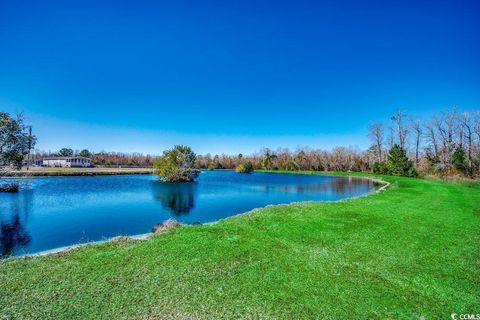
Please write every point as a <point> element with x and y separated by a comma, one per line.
<point>51,172</point>
<point>409,252</point>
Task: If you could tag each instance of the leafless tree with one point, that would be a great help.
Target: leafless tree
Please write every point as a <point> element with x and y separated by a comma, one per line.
<point>431,135</point>
<point>391,137</point>
<point>376,134</point>
<point>399,118</point>
<point>417,132</point>
<point>451,126</point>
<point>466,126</point>
<point>445,126</point>
<point>476,125</point>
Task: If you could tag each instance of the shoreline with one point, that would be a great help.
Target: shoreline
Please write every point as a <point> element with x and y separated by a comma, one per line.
<point>68,172</point>
<point>146,236</point>
<point>142,236</point>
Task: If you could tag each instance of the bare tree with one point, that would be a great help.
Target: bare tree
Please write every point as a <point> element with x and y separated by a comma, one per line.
<point>376,135</point>
<point>418,132</point>
<point>476,125</point>
<point>467,127</point>
<point>431,135</point>
<point>450,120</point>
<point>476,129</point>
<point>402,130</point>
<point>391,137</point>
<point>446,126</point>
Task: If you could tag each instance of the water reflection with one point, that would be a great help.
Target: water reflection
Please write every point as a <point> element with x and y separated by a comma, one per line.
<point>178,198</point>
<point>335,185</point>
<point>12,235</point>
<point>14,215</point>
<point>55,212</point>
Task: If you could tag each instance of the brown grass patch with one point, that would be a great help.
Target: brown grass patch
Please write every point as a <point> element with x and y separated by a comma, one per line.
<point>165,226</point>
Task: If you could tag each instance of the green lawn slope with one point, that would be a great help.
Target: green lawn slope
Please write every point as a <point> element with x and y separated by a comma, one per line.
<point>409,252</point>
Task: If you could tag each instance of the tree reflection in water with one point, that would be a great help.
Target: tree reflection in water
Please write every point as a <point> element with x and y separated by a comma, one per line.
<point>12,234</point>
<point>13,216</point>
<point>179,198</point>
<point>337,185</point>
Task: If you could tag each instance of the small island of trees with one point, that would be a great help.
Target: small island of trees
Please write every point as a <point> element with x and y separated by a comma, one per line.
<point>177,165</point>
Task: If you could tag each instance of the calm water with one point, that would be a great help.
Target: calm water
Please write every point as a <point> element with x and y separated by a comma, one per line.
<point>55,212</point>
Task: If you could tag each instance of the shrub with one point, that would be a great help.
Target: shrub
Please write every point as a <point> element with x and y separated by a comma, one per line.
<point>210,167</point>
<point>246,167</point>
<point>411,171</point>
<point>290,165</point>
<point>177,165</point>
<point>380,168</point>
<point>425,166</point>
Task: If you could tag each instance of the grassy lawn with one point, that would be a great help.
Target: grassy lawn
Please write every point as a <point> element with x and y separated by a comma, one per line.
<point>412,251</point>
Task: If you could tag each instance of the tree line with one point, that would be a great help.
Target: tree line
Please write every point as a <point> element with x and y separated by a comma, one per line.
<point>102,158</point>
<point>444,145</point>
<point>338,159</point>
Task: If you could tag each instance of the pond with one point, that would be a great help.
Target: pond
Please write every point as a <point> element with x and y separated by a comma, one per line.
<point>54,212</point>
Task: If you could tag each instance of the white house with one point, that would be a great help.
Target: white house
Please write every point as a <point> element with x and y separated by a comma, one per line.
<point>67,162</point>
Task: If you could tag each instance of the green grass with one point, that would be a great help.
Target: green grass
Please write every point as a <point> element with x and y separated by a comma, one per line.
<point>409,252</point>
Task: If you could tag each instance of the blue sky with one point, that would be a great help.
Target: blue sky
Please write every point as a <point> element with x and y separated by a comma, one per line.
<point>223,76</point>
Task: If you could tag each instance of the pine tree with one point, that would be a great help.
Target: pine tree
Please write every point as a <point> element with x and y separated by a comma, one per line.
<point>458,160</point>
<point>398,163</point>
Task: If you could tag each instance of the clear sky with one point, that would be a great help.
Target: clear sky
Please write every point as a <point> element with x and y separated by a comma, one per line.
<point>232,76</point>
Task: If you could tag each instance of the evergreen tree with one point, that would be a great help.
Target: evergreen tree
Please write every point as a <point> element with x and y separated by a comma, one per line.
<point>65,152</point>
<point>458,160</point>
<point>398,163</point>
<point>85,153</point>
